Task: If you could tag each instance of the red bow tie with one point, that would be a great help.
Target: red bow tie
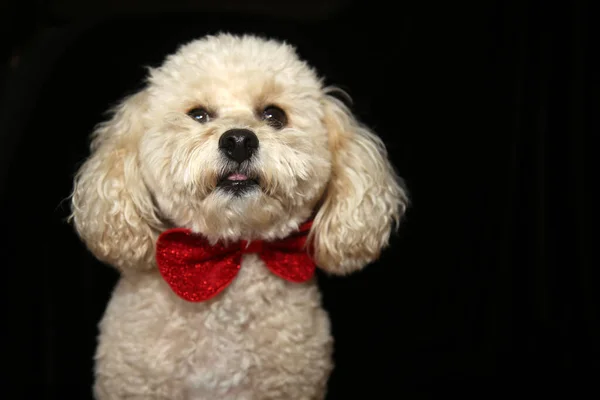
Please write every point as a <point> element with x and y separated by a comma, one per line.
<point>197,271</point>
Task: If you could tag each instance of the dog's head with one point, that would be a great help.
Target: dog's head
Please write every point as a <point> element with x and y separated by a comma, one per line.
<point>236,138</point>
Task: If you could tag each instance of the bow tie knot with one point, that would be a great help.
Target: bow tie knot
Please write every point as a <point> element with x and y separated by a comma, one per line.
<point>255,246</point>
<point>197,271</point>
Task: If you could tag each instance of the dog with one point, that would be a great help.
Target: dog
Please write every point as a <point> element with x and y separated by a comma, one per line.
<point>233,139</point>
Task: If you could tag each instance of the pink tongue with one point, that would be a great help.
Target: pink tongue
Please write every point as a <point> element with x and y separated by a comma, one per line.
<point>237,177</point>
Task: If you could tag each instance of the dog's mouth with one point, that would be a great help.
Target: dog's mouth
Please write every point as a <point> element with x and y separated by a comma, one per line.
<point>237,183</point>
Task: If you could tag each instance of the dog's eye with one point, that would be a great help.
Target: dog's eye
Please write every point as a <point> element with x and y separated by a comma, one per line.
<point>199,114</point>
<point>275,117</point>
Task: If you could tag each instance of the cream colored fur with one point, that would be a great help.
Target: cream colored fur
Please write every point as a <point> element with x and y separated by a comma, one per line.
<point>153,167</point>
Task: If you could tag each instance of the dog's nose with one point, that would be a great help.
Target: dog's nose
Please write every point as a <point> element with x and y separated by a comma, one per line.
<point>238,144</point>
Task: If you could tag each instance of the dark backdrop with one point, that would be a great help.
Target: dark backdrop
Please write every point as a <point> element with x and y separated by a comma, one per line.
<point>489,289</point>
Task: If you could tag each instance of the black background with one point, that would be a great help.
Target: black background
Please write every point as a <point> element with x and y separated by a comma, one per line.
<point>487,109</point>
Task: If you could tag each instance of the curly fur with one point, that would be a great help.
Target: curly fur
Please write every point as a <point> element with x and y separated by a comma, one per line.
<point>152,167</point>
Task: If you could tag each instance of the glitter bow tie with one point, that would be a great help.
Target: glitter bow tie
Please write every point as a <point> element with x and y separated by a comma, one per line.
<point>197,271</point>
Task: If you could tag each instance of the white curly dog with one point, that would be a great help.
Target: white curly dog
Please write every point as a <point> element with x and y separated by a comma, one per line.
<point>233,140</point>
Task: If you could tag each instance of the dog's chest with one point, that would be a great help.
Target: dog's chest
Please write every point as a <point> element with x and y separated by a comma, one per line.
<point>225,348</point>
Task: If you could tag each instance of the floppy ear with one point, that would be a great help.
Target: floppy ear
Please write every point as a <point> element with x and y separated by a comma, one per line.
<point>112,209</point>
<point>363,199</point>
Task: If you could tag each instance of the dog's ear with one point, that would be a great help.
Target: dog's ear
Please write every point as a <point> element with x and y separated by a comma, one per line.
<point>112,209</point>
<point>364,197</point>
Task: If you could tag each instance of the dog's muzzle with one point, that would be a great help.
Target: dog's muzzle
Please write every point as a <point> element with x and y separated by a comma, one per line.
<point>238,145</point>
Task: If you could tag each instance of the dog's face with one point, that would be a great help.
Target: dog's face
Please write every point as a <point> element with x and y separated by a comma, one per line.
<point>236,138</point>
<point>235,141</point>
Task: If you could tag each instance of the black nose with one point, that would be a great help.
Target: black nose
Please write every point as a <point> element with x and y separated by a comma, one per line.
<point>238,144</point>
